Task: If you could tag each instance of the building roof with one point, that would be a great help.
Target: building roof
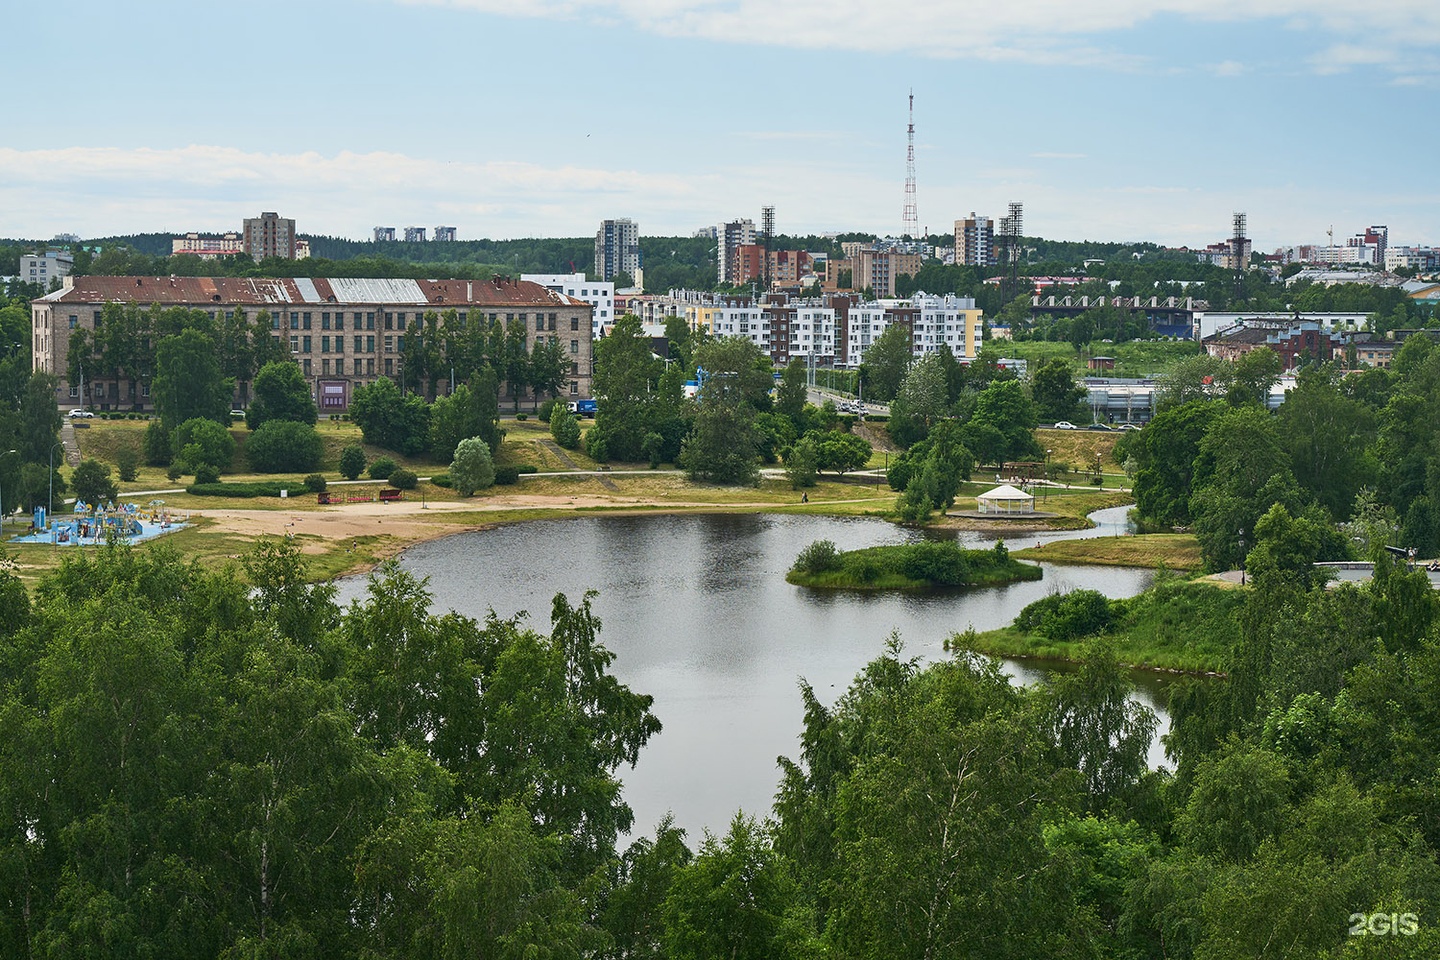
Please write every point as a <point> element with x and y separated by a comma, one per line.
<point>189,291</point>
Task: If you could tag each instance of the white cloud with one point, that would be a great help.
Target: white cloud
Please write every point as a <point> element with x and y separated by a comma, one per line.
<point>1035,31</point>
<point>1228,68</point>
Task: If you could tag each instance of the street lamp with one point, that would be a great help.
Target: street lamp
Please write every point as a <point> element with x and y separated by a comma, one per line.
<point>1242,556</point>
<point>2,497</point>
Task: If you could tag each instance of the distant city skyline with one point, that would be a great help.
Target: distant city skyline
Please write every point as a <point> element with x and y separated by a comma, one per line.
<point>1115,120</point>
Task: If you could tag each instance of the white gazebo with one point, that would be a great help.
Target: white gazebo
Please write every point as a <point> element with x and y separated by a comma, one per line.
<point>1006,499</point>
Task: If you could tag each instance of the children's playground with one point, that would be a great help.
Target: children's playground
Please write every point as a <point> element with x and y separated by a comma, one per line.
<point>101,523</point>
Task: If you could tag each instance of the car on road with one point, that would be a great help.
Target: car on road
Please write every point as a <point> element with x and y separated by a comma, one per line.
<point>78,414</point>
<point>1099,426</point>
<point>1066,425</point>
<point>1129,426</point>
<point>237,414</point>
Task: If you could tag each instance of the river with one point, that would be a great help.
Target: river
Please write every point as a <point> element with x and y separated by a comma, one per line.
<point>698,612</point>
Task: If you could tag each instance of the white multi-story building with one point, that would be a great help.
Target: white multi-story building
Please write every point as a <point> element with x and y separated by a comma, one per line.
<point>1417,258</point>
<point>933,321</point>
<point>975,241</point>
<point>45,268</point>
<point>599,294</point>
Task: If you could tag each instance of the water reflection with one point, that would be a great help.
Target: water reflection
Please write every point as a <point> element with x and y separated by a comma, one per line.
<point>698,611</point>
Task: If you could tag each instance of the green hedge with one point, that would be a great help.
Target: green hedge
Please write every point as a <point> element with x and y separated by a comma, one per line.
<point>505,476</point>
<point>260,488</point>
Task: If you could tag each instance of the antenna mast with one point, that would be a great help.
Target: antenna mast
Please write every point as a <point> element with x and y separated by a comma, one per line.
<point>1238,243</point>
<point>910,215</point>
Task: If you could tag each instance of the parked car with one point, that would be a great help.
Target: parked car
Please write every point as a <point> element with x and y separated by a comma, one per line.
<point>1099,426</point>
<point>78,414</point>
<point>237,414</point>
<point>1129,426</point>
<point>1066,425</point>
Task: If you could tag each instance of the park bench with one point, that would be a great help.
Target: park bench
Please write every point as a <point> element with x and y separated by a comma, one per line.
<point>324,497</point>
<point>390,496</point>
<point>359,498</point>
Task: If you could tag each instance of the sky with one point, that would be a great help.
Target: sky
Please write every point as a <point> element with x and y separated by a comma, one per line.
<point>1120,120</point>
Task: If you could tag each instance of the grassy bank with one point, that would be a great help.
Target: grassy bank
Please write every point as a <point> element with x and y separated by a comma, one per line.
<point>1176,625</point>
<point>908,566</point>
<point>1177,551</point>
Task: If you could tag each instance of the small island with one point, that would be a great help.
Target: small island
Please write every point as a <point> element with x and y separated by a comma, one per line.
<point>907,566</point>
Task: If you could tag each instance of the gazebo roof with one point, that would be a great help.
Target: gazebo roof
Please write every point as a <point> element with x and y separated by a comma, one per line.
<point>1005,492</point>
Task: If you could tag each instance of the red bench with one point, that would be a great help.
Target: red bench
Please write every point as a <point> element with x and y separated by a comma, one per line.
<point>390,496</point>
<point>324,498</point>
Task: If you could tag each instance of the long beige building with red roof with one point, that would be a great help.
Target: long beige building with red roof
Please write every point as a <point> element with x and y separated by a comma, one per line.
<point>344,333</point>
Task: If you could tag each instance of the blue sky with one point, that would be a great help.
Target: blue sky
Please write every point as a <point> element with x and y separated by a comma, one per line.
<point>1109,119</point>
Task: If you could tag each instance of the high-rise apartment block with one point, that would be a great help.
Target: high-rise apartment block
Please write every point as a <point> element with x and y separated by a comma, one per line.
<point>975,241</point>
<point>269,235</point>
<point>444,234</point>
<point>617,249</point>
<point>414,234</point>
<point>384,234</point>
<point>730,237</point>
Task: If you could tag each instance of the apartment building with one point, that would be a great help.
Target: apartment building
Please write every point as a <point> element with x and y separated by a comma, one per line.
<point>344,333</point>
<point>269,235</point>
<point>933,321</point>
<point>975,241</point>
<point>207,246</point>
<point>599,294</point>
<point>730,237</point>
<point>617,249</point>
<point>45,268</point>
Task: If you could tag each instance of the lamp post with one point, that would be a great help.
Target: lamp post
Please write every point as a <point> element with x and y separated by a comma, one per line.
<point>1242,556</point>
<point>1047,476</point>
<point>2,497</point>
<point>50,503</point>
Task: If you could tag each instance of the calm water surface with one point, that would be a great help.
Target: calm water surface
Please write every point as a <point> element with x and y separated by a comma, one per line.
<point>700,616</point>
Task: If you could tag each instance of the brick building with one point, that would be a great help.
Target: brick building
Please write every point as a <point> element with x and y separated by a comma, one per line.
<point>344,333</point>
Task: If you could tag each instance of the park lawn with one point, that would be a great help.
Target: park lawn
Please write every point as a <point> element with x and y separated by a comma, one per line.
<point>1077,448</point>
<point>1176,551</point>
<point>1146,358</point>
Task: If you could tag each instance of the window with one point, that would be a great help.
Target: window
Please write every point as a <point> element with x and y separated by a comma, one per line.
<point>357,344</point>
<point>306,363</point>
<point>95,316</point>
<point>574,346</point>
<point>574,388</point>
<point>306,342</point>
<point>325,322</point>
<point>574,369</point>
<point>389,366</point>
<point>389,345</point>
<point>305,320</point>
<point>369,320</point>
<point>370,365</point>
<point>389,321</point>
<point>275,322</point>
<point>294,344</point>
<point>74,392</point>
<point>325,345</point>
<point>74,321</point>
<point>539,322</point>
<point>574,323</point>
<point>325,366</point>
<point>294,321</point>
<point>369,345</point>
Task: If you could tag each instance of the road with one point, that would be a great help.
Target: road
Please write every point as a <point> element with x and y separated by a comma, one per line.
<point>818,397</point>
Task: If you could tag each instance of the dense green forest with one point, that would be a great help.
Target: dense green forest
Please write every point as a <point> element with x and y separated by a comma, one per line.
<point>230,764</point>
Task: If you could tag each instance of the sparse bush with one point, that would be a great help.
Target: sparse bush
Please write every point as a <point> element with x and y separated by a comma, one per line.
<point>473,468</point>
<point>352,462</point>
<point>127,459</point>
<point>564,428</point>
<point>821,556</point>
<point>157,444</point>
<point>91,482</point>
<point>284,446</point>
<point>547,411</point>
<point>505,476</point>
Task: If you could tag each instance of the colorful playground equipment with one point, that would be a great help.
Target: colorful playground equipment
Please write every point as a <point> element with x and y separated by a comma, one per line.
<point>100,523</point>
